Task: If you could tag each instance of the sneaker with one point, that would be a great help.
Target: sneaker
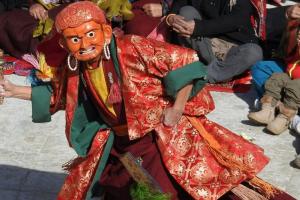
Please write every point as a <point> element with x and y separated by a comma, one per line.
<point>295,125</point>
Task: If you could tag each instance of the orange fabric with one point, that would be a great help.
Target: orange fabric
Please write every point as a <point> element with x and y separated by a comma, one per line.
<point>220,154</point>
<point>264,187</point>
<point>213,143</point>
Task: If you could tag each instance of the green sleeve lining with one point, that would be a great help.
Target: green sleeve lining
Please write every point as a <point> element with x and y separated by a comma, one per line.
<point>194,73</point>
<point>40,97</point>
<point>85,125</point>
<point>83,131</point>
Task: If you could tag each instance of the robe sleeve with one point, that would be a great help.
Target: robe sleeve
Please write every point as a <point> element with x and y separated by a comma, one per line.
<point>176,66</point>
<point>194,73</point>
<point>49,97</point>
<point>150,71</point>
<point>40,97</point>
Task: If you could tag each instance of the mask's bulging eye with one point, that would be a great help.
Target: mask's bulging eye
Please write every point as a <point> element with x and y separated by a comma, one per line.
<point>75,39</point>
<point>91,34</point>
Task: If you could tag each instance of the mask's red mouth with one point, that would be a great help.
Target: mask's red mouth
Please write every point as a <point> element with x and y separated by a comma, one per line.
<point>87,51</point>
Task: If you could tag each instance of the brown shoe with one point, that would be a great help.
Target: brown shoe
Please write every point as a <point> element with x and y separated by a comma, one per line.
<point>267,112</point>
<point>282,120</point>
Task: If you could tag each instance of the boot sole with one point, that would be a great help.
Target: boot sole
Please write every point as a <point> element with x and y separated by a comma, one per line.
<point>257,122</point>
<point>276,132</point>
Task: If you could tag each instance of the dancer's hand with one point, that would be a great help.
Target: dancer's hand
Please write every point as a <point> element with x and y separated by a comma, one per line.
<point>38,12</point>
<point>7,89</point>
<point>171,116</point>
<point>153,9</point>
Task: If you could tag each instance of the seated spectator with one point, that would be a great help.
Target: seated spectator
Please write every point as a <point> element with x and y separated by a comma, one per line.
<point>220,31</point>
<point>18,25</point>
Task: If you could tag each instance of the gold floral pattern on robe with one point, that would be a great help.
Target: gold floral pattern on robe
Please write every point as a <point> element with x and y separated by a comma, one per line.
<point>185,153</point>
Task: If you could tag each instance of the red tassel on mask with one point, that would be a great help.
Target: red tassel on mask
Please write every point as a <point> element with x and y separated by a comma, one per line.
<point>114,94</point>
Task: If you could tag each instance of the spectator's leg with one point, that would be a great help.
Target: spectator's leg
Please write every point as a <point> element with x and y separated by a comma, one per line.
<point>275,84</point>
<point>292,99</point>
<point>289,108</point>
<point>292,94</point>
<point>189,13</point>
<point>273,87</point>
<point>262,71</point>
<point>238,60</point>
<point>201,45</point>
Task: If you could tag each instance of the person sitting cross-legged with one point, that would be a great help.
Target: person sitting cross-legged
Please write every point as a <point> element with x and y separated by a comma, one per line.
<point>220,31</point>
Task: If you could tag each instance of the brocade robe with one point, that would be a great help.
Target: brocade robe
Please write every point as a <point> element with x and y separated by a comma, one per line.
<point>150,75</point>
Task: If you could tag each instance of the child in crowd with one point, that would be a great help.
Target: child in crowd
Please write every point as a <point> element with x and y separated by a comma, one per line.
<point>275,86</point>
<point>279,87</point>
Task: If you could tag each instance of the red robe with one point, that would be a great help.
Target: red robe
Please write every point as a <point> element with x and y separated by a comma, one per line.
<point>206,159</point>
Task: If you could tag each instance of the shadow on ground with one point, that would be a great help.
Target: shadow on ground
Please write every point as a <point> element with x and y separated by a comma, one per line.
<point>18,183</point>
<point>296,142</point>
<point>248,97</point>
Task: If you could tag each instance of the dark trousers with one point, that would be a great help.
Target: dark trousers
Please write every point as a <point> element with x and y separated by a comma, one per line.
<point>281,87</point>
<point>238,59</point>
<point>116,181</point>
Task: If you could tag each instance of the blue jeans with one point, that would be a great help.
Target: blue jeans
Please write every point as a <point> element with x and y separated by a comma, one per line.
<point>262,71</point>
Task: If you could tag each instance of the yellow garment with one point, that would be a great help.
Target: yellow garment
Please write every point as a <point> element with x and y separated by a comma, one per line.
<point>45,72</point>
<point>43,28</point>
<point>116,8</point>
<point>99,82</point>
